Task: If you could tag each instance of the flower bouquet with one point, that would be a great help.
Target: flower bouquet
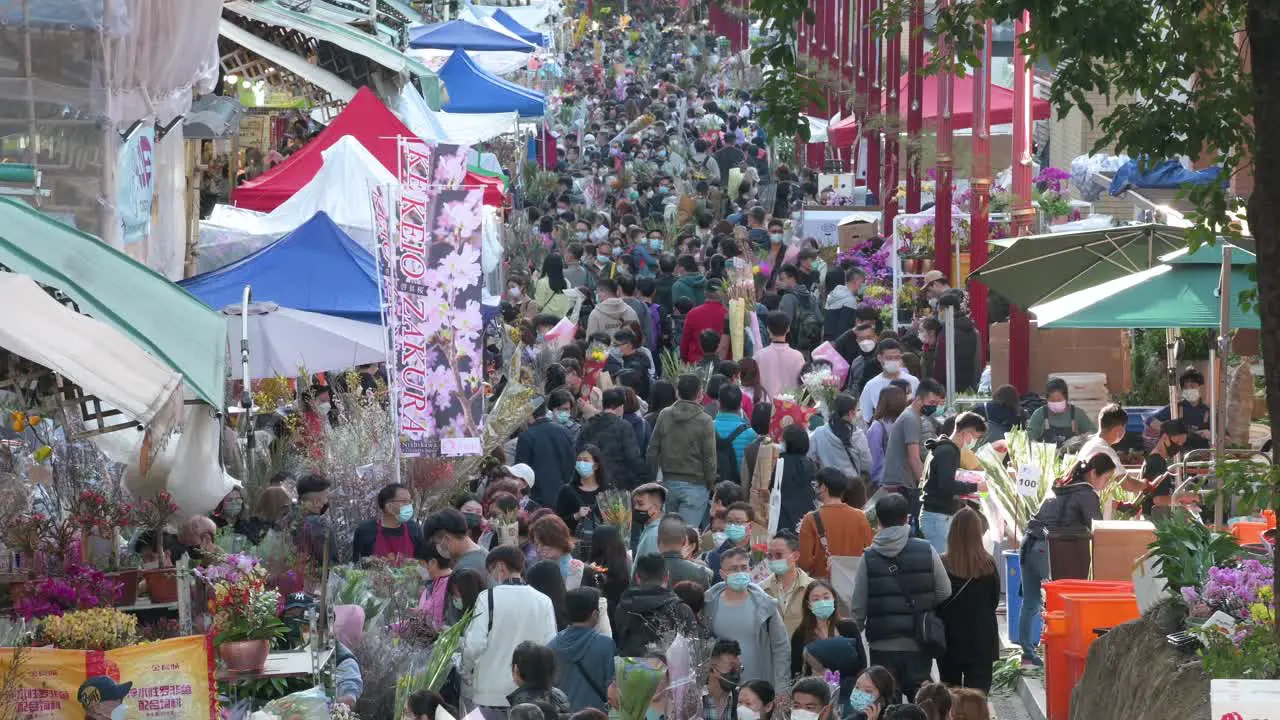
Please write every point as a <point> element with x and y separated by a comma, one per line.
<point>820,388</point>
<point>596,356</point>
<point>637,680</point>
<point>615,510</point>
<point>95,629</point>
<point>786,411</point>
<point>506,527</point>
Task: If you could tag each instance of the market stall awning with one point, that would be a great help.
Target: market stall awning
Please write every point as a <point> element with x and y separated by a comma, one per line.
<point>504,18</point>
<point>337,88</point>
<point>98,358</point>
<point>365,118</point>
<point>1180,292</point>
<point>472,90</point>
<point>843,133</point>
<point>316,268</point>
<point>450,128</point>
<point>282,341</point>
<point>463,35</point>
<point>108,285</point>
<point>1038,268</point>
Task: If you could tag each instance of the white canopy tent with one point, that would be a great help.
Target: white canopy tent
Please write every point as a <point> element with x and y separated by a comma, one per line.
<point>282,340</point>
<point>101,360</point>
<point>339,189</point>
<point>450,128</point>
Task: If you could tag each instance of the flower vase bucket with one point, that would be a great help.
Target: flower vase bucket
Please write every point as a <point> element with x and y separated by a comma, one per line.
<point>508,533</point>
<point>162,585</point>
<point>128,593</point>
<point>244,656</point>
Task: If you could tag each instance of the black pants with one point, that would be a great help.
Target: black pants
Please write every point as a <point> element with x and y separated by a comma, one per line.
<point>910,669</point>
<point>975,674</point>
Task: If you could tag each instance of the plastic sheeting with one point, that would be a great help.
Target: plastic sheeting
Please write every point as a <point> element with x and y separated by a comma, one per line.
<point>316,268</point>
<point>451,128</point>
<point>1169,174</point>
<point>282,340</point>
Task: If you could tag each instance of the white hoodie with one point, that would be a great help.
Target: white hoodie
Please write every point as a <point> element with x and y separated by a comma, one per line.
<point>520,613</point>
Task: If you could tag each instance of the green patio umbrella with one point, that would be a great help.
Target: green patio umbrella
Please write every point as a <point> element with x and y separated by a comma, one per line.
<point>1038,268</point>
<point>1180,292</point>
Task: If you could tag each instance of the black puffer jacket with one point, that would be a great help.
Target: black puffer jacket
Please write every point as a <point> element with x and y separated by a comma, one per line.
<point>621,453</point>
<point>554,697</point>
<point>646,614</point>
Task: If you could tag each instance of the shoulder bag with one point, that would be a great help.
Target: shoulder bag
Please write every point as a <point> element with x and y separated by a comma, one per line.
<point>930,632</point>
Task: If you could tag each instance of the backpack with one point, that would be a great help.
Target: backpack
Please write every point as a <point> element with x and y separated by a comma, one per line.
<point>808,324</point>
<point>727,459</point>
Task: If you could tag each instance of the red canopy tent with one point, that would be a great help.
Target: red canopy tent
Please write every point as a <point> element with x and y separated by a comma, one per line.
<point>367,120</point>
<point>843,133</point>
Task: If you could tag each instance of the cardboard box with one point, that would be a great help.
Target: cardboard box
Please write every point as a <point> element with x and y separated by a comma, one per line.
<point>1118,545</point>
<point>855,229</point>
<point>1065,351</point>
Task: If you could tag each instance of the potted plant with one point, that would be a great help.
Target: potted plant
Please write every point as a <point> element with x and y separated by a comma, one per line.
<point>94,629</point>
<point>153,514</point>
<point>81,588</point>
<point>98,515</point>
<point>245,618</point>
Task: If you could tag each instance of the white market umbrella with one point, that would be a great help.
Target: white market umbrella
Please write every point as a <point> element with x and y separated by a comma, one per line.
<point>282,340</point>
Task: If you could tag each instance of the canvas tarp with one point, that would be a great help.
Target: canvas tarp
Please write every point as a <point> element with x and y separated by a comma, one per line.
<point>106,284</point>
<point>101,360</point>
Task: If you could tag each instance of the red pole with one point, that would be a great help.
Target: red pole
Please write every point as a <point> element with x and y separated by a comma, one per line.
<point>980,205</point>
<point>889,188</point>
<point>875,67</point>
<point>1023,214</point>
<point>915,98</point>
<point>945,163</point>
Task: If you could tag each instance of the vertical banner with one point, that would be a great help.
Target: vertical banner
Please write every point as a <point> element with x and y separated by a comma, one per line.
<point>135,187</point>
<point>50,683</point>
<point>383,199</point>
<point>438,363</point>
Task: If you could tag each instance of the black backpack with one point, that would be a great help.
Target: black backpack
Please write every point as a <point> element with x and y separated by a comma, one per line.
<point>808,324</point>
<point>727,459</point>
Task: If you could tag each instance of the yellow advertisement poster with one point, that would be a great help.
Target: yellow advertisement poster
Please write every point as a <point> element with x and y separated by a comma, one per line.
<point>50,681</point>
<point>165,680</point>
<point>170,679</point>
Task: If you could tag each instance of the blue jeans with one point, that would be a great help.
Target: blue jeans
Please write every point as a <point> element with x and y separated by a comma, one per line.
<point>1035,571</point>
<point>687,500</point>
<point>935,526</point>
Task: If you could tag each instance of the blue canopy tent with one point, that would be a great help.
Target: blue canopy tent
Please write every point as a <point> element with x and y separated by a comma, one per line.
<point>316,268</point>
<point>505,20</point>
<point>472,90</point>
<point>462,35</point>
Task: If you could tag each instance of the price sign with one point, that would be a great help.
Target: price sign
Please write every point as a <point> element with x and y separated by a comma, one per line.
<point>1028,481</point>
<point>1244,699</point>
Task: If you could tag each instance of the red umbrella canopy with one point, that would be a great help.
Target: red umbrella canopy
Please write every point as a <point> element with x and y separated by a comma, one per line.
<point>843,133</point>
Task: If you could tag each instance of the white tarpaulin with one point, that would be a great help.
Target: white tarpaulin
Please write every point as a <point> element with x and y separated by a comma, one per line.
<point>340,189</point>
<point>450,128</point>
<point>496,62</point>
<point>90,353</point>
<point>282,341</point>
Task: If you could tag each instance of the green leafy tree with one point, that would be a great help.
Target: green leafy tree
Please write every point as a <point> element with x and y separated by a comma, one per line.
<point>1182,77</point>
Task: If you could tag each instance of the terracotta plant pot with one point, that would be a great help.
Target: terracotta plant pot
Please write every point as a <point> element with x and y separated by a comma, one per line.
<point>926,264</point>
<point>244,656</point>
<point>128,580</point>
<point>162,585</point>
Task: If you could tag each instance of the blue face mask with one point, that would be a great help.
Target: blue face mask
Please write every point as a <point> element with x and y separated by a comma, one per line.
<point>779,567</point>
<point>823,609</point>
<point>860,700</point>
<point>602,259</point>
<point>564,417</point>
<point>738,581</point>
<point>406,513</point>
<point>584,467</point>
<point>735,532</point>
<point>655,243</point>
<point>663,189</point>
<point>617,251</point>
<point>457,603</point>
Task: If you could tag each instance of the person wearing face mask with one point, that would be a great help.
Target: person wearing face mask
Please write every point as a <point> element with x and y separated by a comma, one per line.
<point>452,537</point>
<point>811,700</point>
<point>787,582</point>
<point>103,699</point>
<point>231,512</point>
<point>858,347</point>
<point>889,353</point>
<point>507,614</point>
<point>1192,411</point>
<point>737,532</point>
<point>553,542</point>
<point>393,534</point>
<point>737,609</point>
<point>1069,512</point>
<point>720,698</point>
<point>546,447</point>
<point>314,531</point>
<point>935,284</point>
<point>840,311</point>
<point>869,692</point>
<point>576,504</point>
<point>1156,481</point>
<point>1113,424</point>
<point>436,571</point>
<point>941,489</point>
<point>836,654</point>
<point>904,448</point>
<point>755,700</point>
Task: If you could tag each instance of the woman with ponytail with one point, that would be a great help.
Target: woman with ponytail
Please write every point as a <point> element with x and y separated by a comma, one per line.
<point>1068,512</point>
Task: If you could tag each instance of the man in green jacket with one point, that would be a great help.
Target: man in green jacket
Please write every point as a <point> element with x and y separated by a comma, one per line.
<point>683,449</point>
<point>689,282</point>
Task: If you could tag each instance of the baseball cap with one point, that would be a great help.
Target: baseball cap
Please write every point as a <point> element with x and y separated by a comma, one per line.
<point>106,690</point>
<point>934,276</point>
<point>522,471</point>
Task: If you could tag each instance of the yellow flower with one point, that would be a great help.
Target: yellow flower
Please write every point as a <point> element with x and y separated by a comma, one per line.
<point>42,453</point>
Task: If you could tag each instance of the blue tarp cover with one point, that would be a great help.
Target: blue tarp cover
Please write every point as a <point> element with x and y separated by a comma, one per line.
<point>1167,175</point>
<point>505,20</point>
<point>472,90</point>
<point>316,268</point>
<point>462,35</point>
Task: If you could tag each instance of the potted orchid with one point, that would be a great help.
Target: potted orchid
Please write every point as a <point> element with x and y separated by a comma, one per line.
<point>1051,192</point>
<point>245,612</point>
<point>153,515</point>
<point>98,515</point>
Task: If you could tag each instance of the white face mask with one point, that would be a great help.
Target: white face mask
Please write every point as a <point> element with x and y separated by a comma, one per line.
<point>119,712</point>
<point>804,715</point>
<point>866,346</point>
<point>891,366</point>
<point>1191,395</point>
<point>746,713</point>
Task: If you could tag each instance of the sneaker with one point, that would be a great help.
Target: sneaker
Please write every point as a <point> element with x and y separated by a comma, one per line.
<point>1031,660</point>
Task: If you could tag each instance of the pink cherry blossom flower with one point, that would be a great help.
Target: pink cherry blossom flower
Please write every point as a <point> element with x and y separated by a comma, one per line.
<point>462,266</point>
